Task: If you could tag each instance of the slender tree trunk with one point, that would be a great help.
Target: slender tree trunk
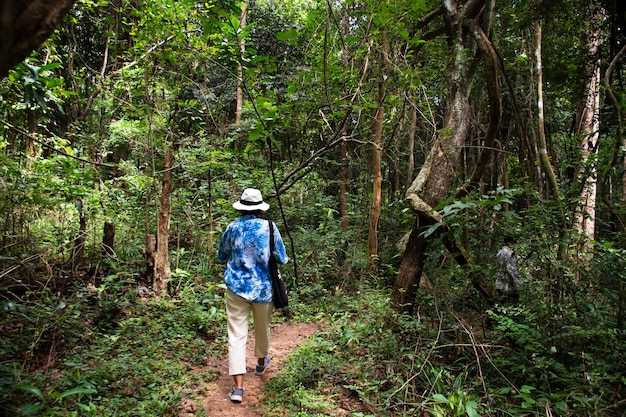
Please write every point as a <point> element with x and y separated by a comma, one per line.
<point>31,148</point>
<point>620,137</point>
<point>377,179</point>
<point>242,48</point>
<point>78,254</point>
<point>108,240</point>
<point>542,150</point>
<point>162,270</point>
<point>412,133</point>
<point>343,186</point>
<point>495,106</point>
<point>343,170</point>
<point>542,147</point>
<point>210,214</point>
<point>150,257</point>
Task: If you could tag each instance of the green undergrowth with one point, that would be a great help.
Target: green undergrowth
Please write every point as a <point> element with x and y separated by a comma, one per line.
<point>126,356</point>
<point>108,352</point>
<point>504,361</point>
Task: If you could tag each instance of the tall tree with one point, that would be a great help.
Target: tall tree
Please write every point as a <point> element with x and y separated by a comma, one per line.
<point>439,172</point>
<point>542,145</point>
<point>343,163</point>
<point>242,49</point>
<point>377,150</point>
<point>588,130</point>
<point>162,269</point>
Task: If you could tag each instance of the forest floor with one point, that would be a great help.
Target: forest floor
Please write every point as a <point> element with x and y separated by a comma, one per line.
<point>213,395</point>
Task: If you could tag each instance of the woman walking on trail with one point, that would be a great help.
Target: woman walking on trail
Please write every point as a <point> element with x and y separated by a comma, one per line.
<point>245,249</point>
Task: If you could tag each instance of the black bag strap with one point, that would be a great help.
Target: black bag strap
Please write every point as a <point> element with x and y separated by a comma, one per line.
<point>271,238</point>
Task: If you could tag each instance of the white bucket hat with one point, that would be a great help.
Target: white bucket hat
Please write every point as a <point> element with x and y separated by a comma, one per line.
<point>251,200</point>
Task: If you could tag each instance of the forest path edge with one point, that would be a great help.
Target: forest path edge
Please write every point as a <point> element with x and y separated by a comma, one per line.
<point>285,338</point>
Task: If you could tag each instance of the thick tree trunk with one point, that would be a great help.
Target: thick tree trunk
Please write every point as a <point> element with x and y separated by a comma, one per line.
<point>588,131</point>
<point>162,272</point>
<point>25,25</point>
<point>495,106</point>
<point>435,179</point>
<point>407,283</point>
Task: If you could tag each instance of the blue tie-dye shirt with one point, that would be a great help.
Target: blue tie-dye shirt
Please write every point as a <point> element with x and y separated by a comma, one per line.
<point>244,248</point>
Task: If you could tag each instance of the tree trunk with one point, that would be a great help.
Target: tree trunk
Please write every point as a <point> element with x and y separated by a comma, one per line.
<point>343,167</point>
<point>412,132</point>
<point>25,25</point>
<point>620,138</point>
<point>433,182</point>
<point>588,130</point>
<point>108,240</point>
<point>150,257</point>
<point>162,272</point>
<point>242,48</point>
<point>377,150</point>
<point>407,283</point>
<point>78,253</point>
<point>495,106</point>
<point>31,148</point>
<point>343,186</point>
<point>542,147</point>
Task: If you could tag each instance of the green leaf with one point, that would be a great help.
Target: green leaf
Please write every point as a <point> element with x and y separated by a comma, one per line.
<point>432,229</point>
<point>40,100</point>
<point>288,35</point>
<point>470,409</point>
<point>50,66</point>
<point>31,409</point>
<point>234,22</point>
<point>79,390</point>
<point>254,135</point>
<point>30,389</point>
<point>441,398</point>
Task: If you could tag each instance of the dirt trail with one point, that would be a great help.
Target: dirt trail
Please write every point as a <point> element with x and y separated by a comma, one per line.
<point>285,338</point>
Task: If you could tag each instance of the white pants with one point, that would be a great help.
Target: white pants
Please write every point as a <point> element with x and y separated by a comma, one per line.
<point>238,313</point>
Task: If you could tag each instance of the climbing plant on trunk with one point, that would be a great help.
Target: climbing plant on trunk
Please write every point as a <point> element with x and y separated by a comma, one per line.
<point>440,170</point>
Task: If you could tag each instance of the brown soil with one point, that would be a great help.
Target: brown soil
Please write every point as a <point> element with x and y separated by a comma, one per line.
<point>215,402</point>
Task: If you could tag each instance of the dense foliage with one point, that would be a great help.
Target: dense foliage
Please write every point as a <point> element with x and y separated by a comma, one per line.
<point>284,96</point>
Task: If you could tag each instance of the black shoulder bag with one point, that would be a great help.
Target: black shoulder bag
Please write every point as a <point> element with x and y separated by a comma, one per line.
<point>280,292</point>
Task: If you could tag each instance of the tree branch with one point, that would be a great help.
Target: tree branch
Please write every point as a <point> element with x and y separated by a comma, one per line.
<point>620,129</point>
<point>24,26</point>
